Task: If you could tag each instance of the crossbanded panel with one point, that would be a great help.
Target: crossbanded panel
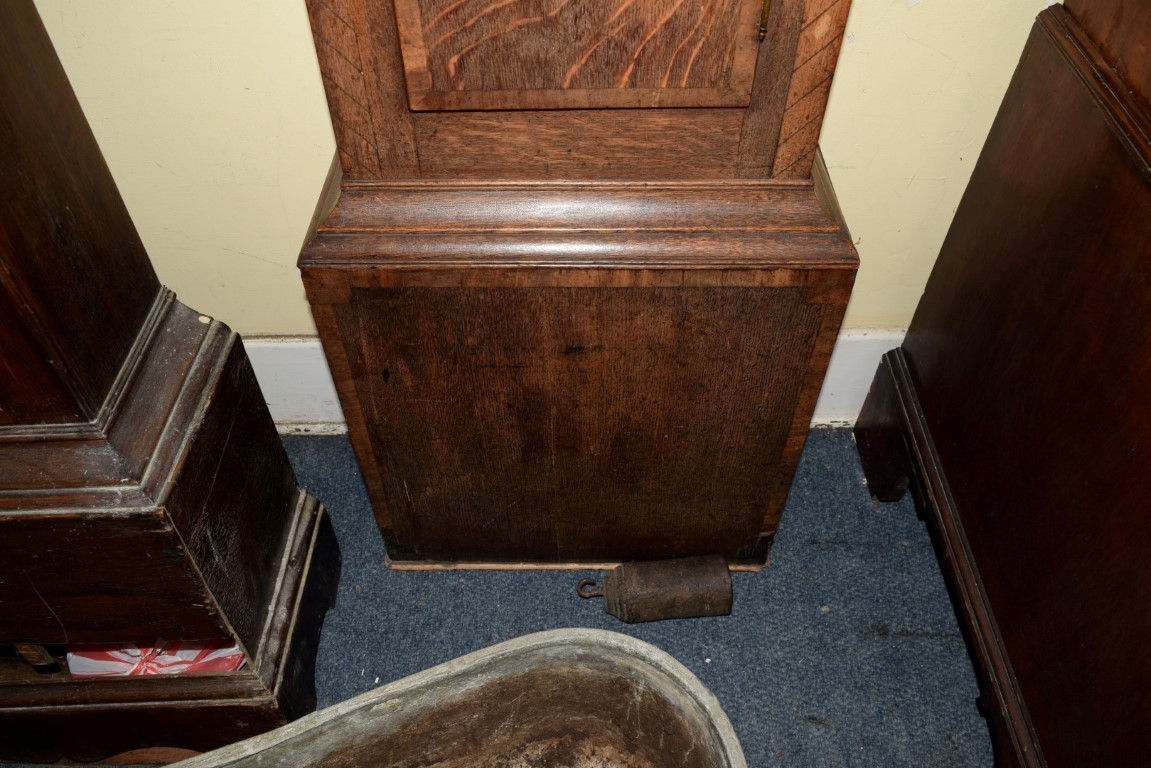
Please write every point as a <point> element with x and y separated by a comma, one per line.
<point>541,54</point>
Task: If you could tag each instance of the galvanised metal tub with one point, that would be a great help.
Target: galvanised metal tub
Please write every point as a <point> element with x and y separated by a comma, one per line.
<point>569,697</point>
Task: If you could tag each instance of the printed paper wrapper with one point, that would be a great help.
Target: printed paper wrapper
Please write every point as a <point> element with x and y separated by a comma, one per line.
<point>163,658</point>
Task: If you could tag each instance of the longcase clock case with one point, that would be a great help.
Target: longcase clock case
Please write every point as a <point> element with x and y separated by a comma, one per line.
<point>578,288</point>
<point>144,492</point>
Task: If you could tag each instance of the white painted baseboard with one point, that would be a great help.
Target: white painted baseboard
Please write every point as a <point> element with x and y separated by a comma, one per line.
<point>294,376</point>
<point>298,387</point>
<point>849,374</point>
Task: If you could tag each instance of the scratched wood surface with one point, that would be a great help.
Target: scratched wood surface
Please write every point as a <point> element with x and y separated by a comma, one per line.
<point>1120,30</point>
<point>59,220</point>
<point>541,131</point>
<point>549,54</point>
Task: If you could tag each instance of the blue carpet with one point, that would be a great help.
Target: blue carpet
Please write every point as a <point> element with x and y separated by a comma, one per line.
<point>844,652</point>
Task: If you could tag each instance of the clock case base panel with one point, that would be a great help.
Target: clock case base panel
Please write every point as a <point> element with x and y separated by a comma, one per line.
<point>578,373</point>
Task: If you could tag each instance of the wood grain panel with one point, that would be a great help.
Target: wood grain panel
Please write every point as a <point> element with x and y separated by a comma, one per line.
<point>360,62</point>
<point>816,55</point>
<point>237,495</point>
<point>603,144</point>
<point>550,54</point>
<point>759,132</point>
<point>577,424</point>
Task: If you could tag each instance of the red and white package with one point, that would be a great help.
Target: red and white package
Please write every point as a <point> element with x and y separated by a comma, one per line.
<point>164,658</point>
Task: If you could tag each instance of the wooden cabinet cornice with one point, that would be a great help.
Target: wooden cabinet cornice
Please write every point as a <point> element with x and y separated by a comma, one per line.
<point>579,289</point>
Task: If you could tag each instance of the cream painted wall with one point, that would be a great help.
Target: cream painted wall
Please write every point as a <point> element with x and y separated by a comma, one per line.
<point>212,118</point>
<point>917,87</point>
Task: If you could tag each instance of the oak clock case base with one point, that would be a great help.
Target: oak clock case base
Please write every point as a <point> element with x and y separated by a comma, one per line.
<point>579,289</point>
<point>578,373</point>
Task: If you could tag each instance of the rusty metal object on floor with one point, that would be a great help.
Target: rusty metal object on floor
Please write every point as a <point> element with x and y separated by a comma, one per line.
<point>683,588</point>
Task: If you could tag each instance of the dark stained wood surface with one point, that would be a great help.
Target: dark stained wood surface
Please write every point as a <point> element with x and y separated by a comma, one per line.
<point>1119,28</point>
<point>64,224</point>
<point>95,733</point>
<point>1028,360</point>
<point>94,460</point>
<point>600,371</point>
<point>544,54</point>
<point>44,717</point>
<point>578,424</point>
<point>898,452</point>
<point>144,493</point>
<point>190,487</point>
<point>551,133</point>
<point>28,390</point>
<point>48,599</point>
<point>235,498</point>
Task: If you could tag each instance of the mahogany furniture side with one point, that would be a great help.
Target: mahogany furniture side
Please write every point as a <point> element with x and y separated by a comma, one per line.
<point>1015,409</point>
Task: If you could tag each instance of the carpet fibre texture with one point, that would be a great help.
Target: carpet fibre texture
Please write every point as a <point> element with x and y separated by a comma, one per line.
<point>844,652</point>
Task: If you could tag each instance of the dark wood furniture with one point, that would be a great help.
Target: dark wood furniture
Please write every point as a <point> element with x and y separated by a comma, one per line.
<point>579,290</point>
<point>144,492</point>
<point>1015,408</point>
